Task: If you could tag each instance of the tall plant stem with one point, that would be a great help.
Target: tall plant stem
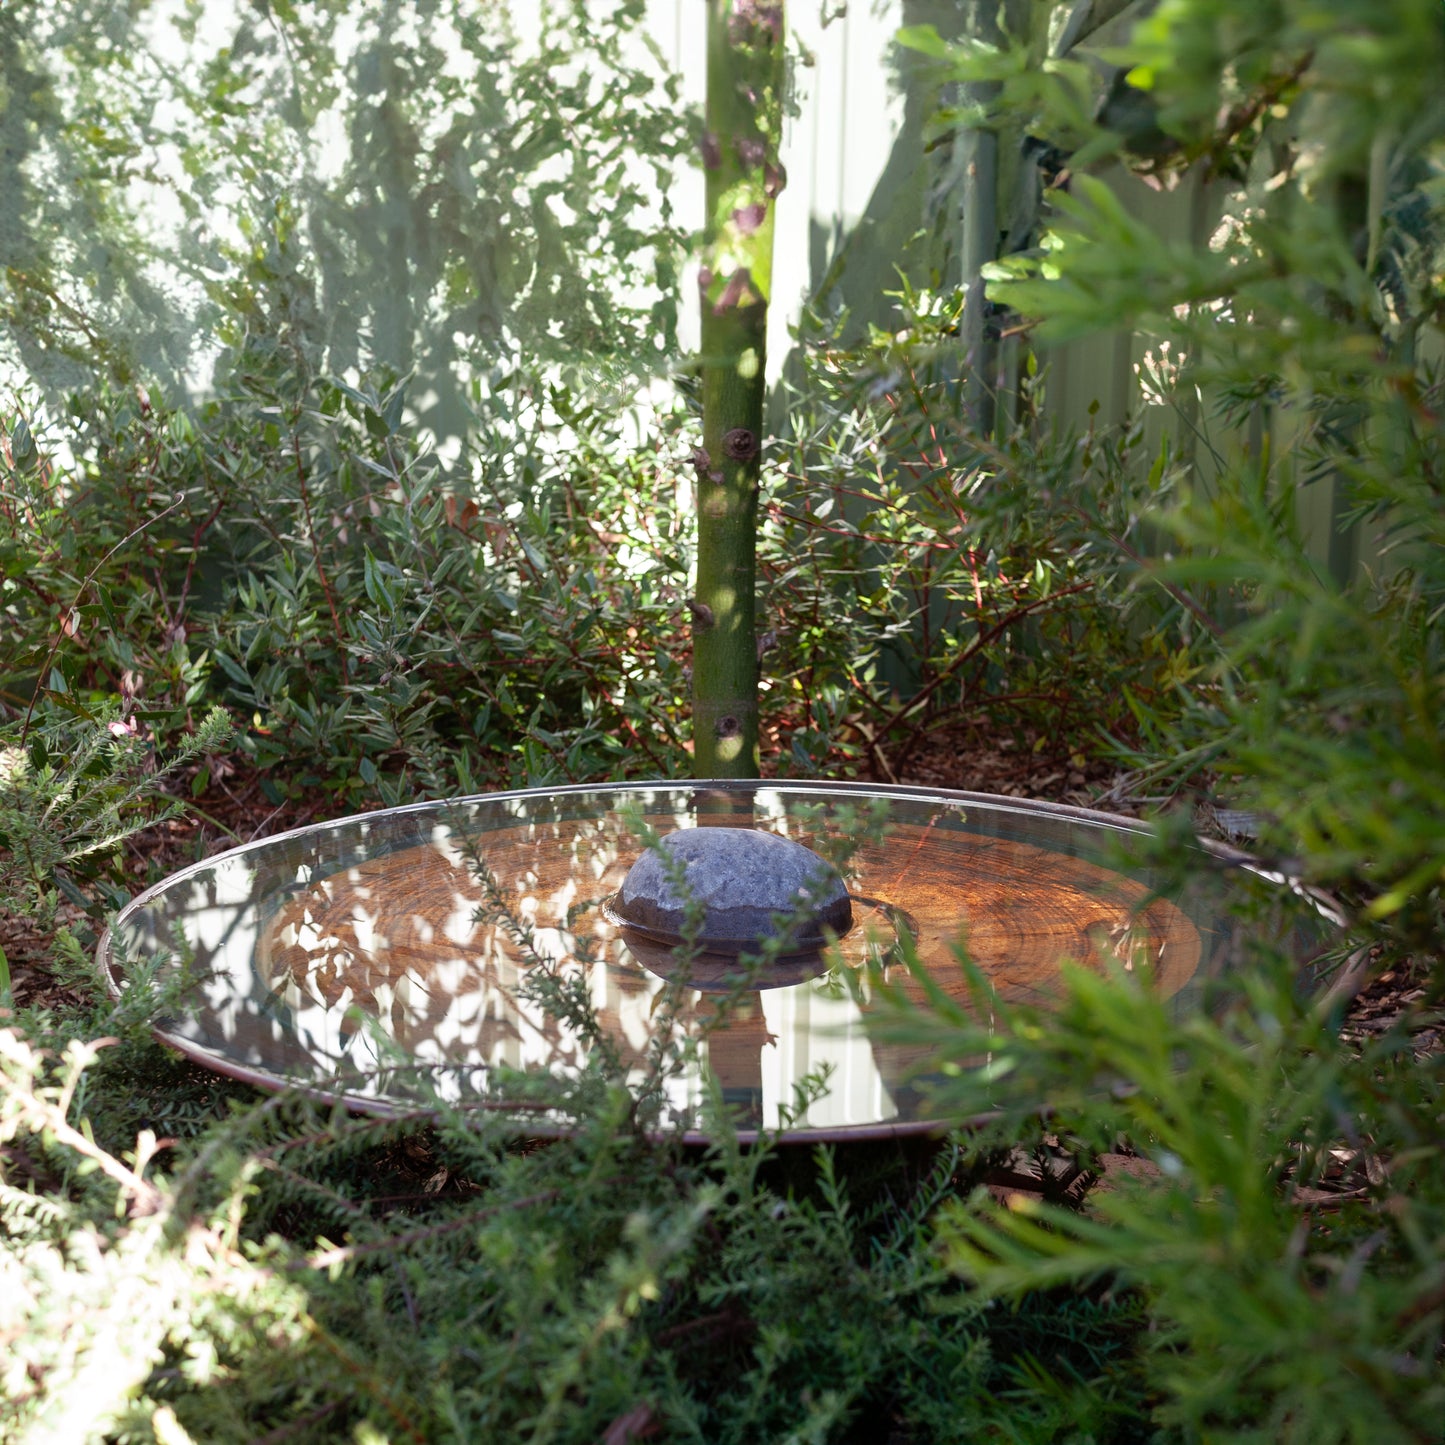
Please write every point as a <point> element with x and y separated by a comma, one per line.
<point>740,160</point>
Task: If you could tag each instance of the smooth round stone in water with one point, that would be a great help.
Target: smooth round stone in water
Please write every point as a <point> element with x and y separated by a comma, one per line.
<point>742,877</point>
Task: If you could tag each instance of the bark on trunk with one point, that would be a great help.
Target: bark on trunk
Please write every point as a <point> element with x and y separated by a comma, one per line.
<point>739,148</point>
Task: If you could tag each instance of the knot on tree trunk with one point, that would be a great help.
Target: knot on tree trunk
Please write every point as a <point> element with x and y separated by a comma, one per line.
<point>748,218</point>
<point>740,444</point>
<point>702,465</point>
<point>752,150</point>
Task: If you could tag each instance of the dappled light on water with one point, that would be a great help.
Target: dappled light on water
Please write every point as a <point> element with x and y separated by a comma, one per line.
<point>397,956</point>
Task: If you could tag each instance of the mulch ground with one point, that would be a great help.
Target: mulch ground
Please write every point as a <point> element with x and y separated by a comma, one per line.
<point>969,759</point>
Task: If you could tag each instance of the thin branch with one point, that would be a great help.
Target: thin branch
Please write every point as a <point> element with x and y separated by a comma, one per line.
<point>144,1196</point>
<point>316,554</point>
<point>89,578</point>
<point>344,1254</point>
<point>983,639</point>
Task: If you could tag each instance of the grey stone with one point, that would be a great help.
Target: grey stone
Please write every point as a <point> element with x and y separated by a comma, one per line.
<point>742,877</point>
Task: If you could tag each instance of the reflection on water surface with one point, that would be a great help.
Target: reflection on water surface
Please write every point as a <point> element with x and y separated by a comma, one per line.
<point>367,956</point>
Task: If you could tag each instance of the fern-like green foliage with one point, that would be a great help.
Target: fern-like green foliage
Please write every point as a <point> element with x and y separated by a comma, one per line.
<point>1306,334</point>
<point>74,791</point>
<point>276,1267</point>
<point>1289,1239</point>
<point>103,1267</point>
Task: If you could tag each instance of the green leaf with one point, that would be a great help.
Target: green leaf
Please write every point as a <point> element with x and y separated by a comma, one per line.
<point>22,443</point>
<point>233,669</point>
<point>926,40</point>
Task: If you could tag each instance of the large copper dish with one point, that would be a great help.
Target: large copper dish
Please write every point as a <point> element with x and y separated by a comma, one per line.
<point>364,960</point>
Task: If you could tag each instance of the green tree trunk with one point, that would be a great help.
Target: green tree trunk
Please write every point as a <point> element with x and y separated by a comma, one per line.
<point>740,160</point>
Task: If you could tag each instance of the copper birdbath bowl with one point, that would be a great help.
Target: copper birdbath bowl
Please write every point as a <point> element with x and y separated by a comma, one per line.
<point>367,960</point>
